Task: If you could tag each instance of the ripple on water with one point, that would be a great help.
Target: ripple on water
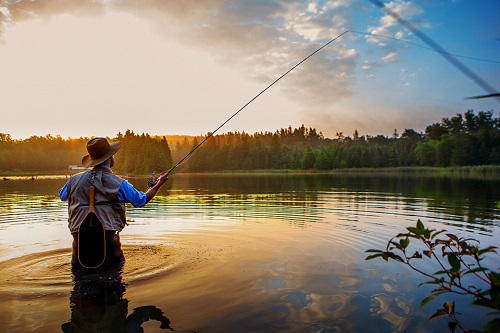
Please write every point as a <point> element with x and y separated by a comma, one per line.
<point>40,273</point>
<point>49,273</point>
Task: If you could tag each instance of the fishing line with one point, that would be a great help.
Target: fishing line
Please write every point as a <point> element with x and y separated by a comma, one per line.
<point>151,183</point>
<point>424,47</point>
<point>435,46</point>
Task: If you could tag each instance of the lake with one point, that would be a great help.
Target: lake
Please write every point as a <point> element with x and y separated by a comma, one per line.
<point>242,253</point>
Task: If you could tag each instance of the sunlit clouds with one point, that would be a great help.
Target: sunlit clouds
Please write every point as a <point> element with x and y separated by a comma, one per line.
<point>83,68</point>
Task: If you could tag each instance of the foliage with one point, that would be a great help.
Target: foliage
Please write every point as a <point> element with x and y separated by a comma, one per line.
<point>466,140</point>
<point>142,154</point>
<point>461,271</point>
<point>138,154</point>
<point>460,141</point>
<point>40,154</point>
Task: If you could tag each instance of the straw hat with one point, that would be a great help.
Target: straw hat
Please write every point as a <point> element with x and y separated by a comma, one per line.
<point>99,150</point>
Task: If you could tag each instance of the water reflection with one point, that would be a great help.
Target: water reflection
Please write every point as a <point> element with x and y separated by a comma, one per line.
<point>241,253</point>
<point>300,199</point>
<point>98,305</point>
<point>469,202</point>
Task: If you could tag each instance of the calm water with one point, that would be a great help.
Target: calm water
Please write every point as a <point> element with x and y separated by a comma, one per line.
<point>227,253</point>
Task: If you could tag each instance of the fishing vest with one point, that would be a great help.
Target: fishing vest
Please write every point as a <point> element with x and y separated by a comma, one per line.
<point>108,208</point>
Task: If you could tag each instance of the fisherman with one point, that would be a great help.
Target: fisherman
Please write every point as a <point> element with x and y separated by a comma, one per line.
<point>111,194</point>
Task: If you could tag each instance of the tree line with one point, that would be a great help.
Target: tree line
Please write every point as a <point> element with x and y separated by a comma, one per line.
<point>462,140</point>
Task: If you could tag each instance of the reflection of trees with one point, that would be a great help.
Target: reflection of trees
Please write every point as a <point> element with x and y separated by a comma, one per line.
<point>286,197</point>
<point>97,305</point>
<point>297,197</point>
<point>475,200</point>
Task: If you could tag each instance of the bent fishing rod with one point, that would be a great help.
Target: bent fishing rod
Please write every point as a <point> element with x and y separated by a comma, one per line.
<point>151,183</point>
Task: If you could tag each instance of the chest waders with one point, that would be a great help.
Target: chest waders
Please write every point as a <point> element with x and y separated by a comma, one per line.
<point>91,236</point>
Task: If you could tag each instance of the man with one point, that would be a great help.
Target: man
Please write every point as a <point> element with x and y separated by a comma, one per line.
<point>111,194</point>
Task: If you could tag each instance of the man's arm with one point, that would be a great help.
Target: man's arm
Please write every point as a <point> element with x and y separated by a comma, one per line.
<point>63,192</point>
<point>127,192</point>
<point>150,194</point>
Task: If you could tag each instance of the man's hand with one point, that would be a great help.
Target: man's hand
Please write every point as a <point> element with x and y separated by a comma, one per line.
<point>163,178</point>
<point>150,194</point>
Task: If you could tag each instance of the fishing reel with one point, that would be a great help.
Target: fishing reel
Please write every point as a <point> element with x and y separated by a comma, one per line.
<point>153,180</point>
<point>155,177</point>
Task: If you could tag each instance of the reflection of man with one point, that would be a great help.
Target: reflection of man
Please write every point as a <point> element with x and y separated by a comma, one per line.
<point>97,305</point>
<point>111,194</point>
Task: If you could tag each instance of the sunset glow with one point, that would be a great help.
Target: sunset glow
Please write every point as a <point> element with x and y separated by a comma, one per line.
<point>85,68</point>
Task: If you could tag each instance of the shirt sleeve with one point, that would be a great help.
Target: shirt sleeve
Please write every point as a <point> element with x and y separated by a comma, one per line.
<point>128,193</point>
<point>63,192</point>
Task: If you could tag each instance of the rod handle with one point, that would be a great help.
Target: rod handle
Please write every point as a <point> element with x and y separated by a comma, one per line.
<point>92,199</point>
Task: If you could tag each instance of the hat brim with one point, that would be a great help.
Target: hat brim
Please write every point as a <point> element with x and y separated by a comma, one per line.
<point>88,162</point>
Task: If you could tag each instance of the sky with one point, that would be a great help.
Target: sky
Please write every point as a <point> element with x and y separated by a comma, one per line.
<point>95,68</point>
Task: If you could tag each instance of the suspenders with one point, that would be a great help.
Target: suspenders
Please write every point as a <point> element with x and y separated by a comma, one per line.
<point>91,236</point>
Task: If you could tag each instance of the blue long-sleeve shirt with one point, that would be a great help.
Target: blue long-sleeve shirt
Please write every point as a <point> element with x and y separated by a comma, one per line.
<point>126,193</point>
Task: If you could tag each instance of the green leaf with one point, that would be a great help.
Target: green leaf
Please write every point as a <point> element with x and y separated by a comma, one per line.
<point>397,245</point>
<point>441,272</point>
<point>475,270</point>
<point>429,298</point>
<point>471,240</point>
<point>404,243</point>
<point>420,225</point>
<point>495,278</point>
<point>450,307</point>
<point>452,325</point>
<point>474,250</point>
<point>493,304</point>
<point>373,256</point>
<point>443,242</point>
<point>492,326</point>
<point>414,231</point>
<point>437,233</point>
<point>436,281</point>
<point>488,249</point>
<point>454,262</point>
<point>396,257</point>
<point>495,295</point>
<point>373,250</point>
<point>438,313</point>
<point>427,233</point>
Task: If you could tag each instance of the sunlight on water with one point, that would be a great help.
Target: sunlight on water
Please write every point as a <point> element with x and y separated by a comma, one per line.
<point>250,253</point>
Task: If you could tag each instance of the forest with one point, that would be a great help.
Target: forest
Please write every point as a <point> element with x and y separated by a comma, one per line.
<point>463,140</point>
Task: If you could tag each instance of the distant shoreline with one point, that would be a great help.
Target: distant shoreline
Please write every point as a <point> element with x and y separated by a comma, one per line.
<point>484,172</point>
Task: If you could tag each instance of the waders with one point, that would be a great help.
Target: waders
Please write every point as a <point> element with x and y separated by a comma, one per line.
<point>91,237</point>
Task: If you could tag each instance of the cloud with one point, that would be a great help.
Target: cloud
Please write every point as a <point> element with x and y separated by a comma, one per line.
<point>266,38</point>
<point>373,119</point>
<point>25,10</point>
<point>388,27</point>
<point>262,40</point>
<point>404,8</point>
<point>391,57</point>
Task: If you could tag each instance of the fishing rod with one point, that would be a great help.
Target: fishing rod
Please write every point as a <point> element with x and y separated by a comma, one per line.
<point>152,182</point>
<point>432,46</point>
